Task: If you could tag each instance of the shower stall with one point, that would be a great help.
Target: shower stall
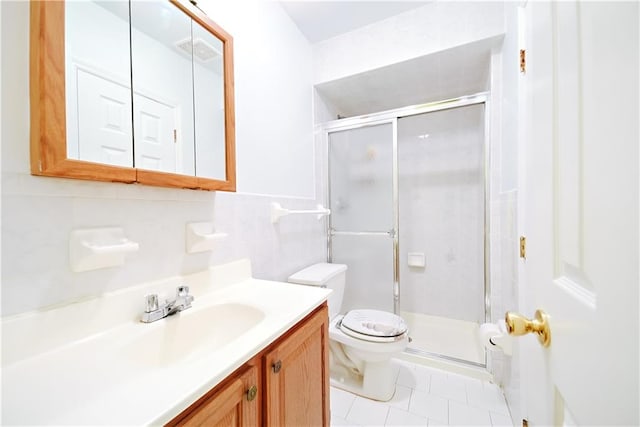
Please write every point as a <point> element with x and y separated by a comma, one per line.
<point>408,193</point>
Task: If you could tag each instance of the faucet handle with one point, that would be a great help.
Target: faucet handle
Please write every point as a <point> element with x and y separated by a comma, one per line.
<point>150,303</point>
<point>182,294</point>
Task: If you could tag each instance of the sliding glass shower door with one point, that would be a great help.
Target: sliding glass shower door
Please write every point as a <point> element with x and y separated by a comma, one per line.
<point>362,227</point>
<point>408,199</point>
<point>441,164</point>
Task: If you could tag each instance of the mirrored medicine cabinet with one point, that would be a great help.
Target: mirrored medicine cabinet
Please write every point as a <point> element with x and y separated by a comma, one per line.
<point>132,91</point>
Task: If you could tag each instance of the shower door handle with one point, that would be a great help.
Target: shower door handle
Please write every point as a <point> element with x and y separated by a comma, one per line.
<point>391,233</point>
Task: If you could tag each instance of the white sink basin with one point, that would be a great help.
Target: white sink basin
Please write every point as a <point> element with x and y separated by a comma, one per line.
<point>187,333</point>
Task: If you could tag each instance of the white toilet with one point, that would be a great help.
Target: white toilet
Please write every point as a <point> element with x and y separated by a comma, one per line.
<point>361,342</point>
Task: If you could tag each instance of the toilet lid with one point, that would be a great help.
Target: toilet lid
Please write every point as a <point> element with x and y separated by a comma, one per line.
<point>373,325</point>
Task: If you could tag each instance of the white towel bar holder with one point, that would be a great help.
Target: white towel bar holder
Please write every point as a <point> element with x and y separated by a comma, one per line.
<point>278,211</point>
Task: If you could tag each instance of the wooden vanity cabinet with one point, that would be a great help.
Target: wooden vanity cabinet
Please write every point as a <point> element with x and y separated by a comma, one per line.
<point>235,404</point>
<point>296,373</point>
<point>291,380</point>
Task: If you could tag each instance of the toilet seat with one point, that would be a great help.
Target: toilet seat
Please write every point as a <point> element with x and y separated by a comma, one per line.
<point>373,325</point>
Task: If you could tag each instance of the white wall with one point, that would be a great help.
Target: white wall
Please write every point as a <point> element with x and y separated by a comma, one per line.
<point>273,87</point>
<point>38,213</point>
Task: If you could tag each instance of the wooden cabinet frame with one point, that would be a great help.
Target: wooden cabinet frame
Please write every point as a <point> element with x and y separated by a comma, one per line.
<point>296,374</point>
<point>48,141</point>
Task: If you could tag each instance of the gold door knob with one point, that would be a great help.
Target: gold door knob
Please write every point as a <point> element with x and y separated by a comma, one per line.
<point>517,324</point>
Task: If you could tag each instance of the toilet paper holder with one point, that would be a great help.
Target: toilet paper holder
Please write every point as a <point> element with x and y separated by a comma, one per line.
<point>494,337</point>
<point>517,325</point>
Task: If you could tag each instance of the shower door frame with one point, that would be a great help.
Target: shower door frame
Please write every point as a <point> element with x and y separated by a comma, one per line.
<point>391,117</point>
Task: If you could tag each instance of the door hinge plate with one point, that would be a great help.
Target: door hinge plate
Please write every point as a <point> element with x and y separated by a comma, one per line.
<point>523,61</point>
<point>523,247</point>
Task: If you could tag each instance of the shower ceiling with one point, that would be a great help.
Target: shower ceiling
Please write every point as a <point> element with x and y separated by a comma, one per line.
<point>446,74</point>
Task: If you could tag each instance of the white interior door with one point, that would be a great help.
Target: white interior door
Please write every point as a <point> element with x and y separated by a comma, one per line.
<point>581,208</point>
<point>104,120</point>
<point>156,135</point>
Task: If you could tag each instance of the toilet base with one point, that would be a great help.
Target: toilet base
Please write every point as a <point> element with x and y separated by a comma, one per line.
<point>377,383</point>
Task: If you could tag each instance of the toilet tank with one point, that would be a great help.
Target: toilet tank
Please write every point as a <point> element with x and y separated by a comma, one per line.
<point>327,275</point>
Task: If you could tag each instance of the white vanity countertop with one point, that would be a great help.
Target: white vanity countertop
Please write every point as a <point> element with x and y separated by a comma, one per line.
<point>94,363</point>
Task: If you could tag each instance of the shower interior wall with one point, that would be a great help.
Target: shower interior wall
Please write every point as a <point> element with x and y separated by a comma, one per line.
<point>442,213</point>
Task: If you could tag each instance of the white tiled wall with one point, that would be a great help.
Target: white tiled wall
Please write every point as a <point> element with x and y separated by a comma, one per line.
<point>36,223</point>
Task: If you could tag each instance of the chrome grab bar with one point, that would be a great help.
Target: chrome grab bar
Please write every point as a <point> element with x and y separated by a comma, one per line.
<point>391,233</point>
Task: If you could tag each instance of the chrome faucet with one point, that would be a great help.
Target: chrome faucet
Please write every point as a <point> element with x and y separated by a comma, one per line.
<point>154,311</point>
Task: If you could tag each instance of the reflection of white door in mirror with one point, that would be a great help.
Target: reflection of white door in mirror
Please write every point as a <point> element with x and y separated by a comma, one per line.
<point>164,74</point>
<point>156,141</point>
<point>97,61</point>
<point>104,120</point>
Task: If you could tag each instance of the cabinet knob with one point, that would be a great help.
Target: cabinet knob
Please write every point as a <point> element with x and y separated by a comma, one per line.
<point>277,366</point>
<point>252,392</point>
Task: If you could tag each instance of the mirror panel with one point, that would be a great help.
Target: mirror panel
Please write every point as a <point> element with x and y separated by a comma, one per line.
<point>162,75</point>
<point>97,82</point>
<point>208,79</point>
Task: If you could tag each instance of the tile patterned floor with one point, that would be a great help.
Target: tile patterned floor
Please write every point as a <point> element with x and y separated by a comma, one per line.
<point>425,397</point>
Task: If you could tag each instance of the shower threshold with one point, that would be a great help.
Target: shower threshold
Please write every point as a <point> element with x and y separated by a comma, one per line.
<point>423,353</point>
<point>455,366</point>
<point>450,339</point>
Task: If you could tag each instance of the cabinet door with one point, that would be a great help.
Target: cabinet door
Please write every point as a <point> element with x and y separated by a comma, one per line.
<point>233,405</point>
<point>297,376</point>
